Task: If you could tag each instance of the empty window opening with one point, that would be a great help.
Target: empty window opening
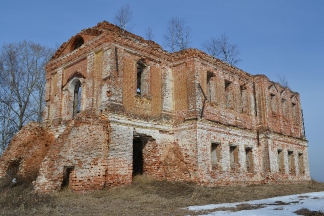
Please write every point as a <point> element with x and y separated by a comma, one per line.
<point>280,161</point>
<point>291,162</point>
<point>215,155</point>
<point>77,98</point>
<point>273,104</point>
<point>229,95</point>
<point>249,159</point>
<point>234,158</point>
<point>244,100</point>
<point>13,169</point>
<point>78,42</point>
<point>211,88</point>
<point>137,156</point>
<point>301,163</point>
<point>140,77</point>
<point>67,170</point>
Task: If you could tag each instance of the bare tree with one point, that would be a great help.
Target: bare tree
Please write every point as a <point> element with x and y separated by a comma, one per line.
<point>7,126</point>
<point>123,17</point>
<point>22,81</point>
<point>177,36</point>
<point>283,80</point>
<point>222,49</point>
<point>149,34</point>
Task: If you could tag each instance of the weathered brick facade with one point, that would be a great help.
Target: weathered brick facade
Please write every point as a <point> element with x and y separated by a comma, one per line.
<point>118,105</point>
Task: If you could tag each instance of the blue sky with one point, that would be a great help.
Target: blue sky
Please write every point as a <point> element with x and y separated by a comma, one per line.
<point>274,37</point>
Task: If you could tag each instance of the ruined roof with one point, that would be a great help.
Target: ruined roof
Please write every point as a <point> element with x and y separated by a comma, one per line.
<point>105,27</point>
<point>99,29</point>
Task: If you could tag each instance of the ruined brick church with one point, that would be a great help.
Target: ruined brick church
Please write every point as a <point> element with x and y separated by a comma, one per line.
<point>119,106</point>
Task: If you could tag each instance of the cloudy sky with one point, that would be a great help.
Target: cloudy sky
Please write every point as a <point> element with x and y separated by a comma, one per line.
<point>275,38</point>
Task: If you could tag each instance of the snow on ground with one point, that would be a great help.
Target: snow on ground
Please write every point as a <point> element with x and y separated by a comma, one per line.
<point>284,205</point>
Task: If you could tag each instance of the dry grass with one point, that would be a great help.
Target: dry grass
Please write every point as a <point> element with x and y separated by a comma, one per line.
<point>307,212</point>
<point>144,197</point>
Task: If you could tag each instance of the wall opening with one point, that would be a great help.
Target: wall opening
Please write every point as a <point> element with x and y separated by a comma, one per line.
<point>249,159</point>
<point>280,161</point>
<point>215,155</point>
<point>77,98</point>
<point>78,42</point>
<point>13,169</point>
<point>234,158</point>
<point>229,95</point>
<point>211,88</point>
<point>301,163</point>
<point>137,156</point>
<point>140,77</point>
<point>244,100</point>
<point>291,162</point>
<point>67,170</point>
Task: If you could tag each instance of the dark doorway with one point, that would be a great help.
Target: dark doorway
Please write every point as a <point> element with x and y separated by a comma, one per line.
<point>66,176</point>
<point>137,156</point>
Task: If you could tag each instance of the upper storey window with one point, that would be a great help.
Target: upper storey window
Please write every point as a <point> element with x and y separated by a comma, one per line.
<point>77,43</point>
<point>77,98</point>
<point>211,87</point>
<point>142,78</point>
<point>244,100</point>
<point>140,70</point>
<point>229,95</point>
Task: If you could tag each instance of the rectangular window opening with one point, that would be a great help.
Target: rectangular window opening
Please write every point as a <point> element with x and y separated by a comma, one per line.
<point>215,155</point>
<point>244,100</point>
<point>291,162</point>
<point>229,95</point>
<point>234,158</point>
<point>249,159</point>
<point>301,163</point>
<point>211,87</point>
<point>280,162</point>
<point>67,174</point>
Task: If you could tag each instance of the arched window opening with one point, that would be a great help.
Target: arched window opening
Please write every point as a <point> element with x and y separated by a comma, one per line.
<point>140,77</point>
<point>77,98</point>
<point>77,43</point>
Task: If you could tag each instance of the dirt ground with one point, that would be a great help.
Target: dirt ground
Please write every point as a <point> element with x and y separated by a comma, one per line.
<point>144,197</point>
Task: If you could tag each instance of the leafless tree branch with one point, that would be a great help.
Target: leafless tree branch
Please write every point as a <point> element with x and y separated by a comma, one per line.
<point>177,36</point>
<point>222,49</point>
<point>283,80</point>
<point>123,17</point>
<point>149,34</point>
<point>22,81</point>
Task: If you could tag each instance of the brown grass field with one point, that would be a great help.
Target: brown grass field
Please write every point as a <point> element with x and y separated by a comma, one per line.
<point>145,196</point>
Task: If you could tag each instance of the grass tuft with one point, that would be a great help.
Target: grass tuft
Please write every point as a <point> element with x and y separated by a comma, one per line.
<point>145,196</point>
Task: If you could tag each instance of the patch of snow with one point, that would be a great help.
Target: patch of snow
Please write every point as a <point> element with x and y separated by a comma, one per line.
<point>284,205</point>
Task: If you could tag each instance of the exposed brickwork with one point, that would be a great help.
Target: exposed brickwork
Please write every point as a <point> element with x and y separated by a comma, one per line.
<point>27,150</point>
<point>144,110</point>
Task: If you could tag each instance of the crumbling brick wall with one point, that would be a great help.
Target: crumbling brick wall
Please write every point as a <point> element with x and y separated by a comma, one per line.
<point>26,152</point>
<point>83,148</point>
<point>171,109</point>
